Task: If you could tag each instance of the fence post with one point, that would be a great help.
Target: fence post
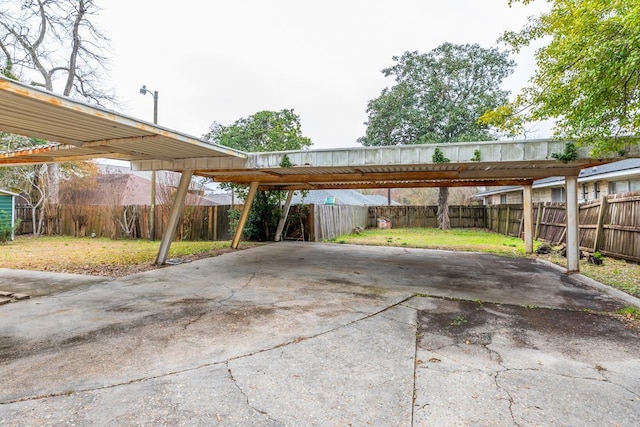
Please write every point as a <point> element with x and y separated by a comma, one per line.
<point>507,221</point>
<point>538,220</point>
<point>597,243</point>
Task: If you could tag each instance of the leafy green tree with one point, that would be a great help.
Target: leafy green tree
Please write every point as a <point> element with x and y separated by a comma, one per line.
<point>263,131</point>
<point>588,75</point>
<point>438,97</point>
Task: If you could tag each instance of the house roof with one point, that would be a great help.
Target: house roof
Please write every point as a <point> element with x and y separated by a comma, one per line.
<point>128,189</point>
<point>622,168</point>
<point>9,193</point>
<point>342,197</point>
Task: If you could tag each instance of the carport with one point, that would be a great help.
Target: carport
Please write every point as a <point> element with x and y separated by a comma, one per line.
<point>80,132</point>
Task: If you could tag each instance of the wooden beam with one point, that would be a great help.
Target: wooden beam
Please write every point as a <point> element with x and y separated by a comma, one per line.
<point>391,184</point>
<point>515,172</point>
<point>336,177</point>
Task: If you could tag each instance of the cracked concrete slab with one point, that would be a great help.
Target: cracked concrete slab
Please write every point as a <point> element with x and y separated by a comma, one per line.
<point>358,374</point>
<point>317,334</point>
<point>490,364</point>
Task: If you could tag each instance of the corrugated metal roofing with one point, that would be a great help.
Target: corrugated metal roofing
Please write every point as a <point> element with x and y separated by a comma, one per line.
<point>84,131</point>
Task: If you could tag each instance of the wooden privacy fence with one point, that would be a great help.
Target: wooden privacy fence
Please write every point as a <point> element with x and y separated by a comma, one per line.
<point>610,225</point>
<point>426,216</point>
<point>116,222</point>
<point>326,222</point>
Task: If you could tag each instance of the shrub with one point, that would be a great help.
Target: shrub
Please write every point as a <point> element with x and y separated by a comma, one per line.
<point>6,230</point>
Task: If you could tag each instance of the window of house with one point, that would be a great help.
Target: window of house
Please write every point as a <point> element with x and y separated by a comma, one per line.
<point>618,187</point>
<point>634,185</point>
<point>503,199</point>
<point>596,190</point>
<point>558,194</point>
<point>585,192</point>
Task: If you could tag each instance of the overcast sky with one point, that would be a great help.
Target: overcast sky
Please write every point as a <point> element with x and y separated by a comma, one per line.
<point>219,60</point>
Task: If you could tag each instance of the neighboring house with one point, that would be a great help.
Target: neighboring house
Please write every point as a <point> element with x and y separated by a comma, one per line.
<point>8,210</point>
<point>127,189</point>
<point>593,183</point>
<point>340,197</point>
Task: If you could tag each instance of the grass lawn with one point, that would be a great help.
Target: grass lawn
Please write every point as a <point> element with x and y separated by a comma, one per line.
<point>615,273</point>
<point>100,256</point>
<point>105,257</point>
<point>461,239</point>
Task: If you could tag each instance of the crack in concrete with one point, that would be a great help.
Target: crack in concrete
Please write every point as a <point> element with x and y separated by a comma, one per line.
<point>233,292</point>
<point>573,377</point>
<point>195,319</point>
<point>414,395</point>
<point>246,396</point>
<point>206,365</point>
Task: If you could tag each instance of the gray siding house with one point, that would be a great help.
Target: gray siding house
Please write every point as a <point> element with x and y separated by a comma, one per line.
<point>593,183</point>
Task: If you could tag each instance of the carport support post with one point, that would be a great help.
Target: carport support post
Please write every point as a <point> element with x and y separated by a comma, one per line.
<point>527,214</point>
<point>285,214</point>
<point>253,188</point>
<point>573,248</point>
<point>174,216</point>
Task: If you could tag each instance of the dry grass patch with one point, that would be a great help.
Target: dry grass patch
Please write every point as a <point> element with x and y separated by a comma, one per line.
<point>99,256</point>
<point>616,273</point>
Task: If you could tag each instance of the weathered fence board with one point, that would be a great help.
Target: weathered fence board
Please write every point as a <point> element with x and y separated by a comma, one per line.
<point>427,216</point>
<point>331,221</point>
<point>610,225</point>
<point>196,223</point>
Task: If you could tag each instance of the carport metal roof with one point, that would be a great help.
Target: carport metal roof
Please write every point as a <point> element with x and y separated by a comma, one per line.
<point>82,132</point>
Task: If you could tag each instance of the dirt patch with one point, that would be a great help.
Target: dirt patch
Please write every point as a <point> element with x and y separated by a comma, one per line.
<point>127,270</point>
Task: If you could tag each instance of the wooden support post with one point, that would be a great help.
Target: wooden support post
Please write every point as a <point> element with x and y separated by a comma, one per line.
<point>283,218</point>
<point>573,248</point>
<point>597,242</point>
<point>253,188</point>
<point>174,217</point>
<point>527,215</point>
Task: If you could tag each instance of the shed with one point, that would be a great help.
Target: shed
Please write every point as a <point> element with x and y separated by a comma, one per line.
<point>7,210</point>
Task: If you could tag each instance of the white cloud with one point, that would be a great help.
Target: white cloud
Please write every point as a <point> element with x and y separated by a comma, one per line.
<point>222,60</point>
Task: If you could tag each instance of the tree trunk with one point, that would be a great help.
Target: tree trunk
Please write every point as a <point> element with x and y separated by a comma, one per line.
<point>443,208</point>
<point>34,216</point>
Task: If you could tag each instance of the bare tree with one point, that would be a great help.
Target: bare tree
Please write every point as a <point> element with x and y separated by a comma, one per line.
<point>124,217</point>
<point>29,182</point>
<point>55,45</point>
<point>77,192</point>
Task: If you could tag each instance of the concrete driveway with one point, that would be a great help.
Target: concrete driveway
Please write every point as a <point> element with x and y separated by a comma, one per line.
<point>303,334</point>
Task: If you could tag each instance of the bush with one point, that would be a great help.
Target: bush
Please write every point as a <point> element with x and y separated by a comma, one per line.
<point>6,230</point>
